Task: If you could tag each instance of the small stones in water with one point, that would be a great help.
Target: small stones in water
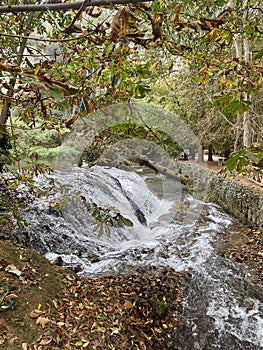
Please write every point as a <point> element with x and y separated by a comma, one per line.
<point>93,258</point>
<point>58,261</point>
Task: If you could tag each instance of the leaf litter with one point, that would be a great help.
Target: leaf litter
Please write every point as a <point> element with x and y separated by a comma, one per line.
<point>250,254</point>
<point>50,307</point>
<point>135,311</point>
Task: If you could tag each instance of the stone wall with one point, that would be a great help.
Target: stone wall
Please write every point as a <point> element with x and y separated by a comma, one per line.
<point>243,202</point>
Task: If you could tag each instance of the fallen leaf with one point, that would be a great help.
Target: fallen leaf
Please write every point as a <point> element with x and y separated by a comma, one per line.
<point>3,326</point>
<point>153,66</point>
<point>115,331</point>
<point>35,313</point>
<point>157,330</point>
<point>3,263</point>
<point>13,269</point>
<point>4,307</point>
<point>79,343</point>
<point>45,341</point>
<point>42,321</point>
<point>9,297</point>
<point>127,304</point>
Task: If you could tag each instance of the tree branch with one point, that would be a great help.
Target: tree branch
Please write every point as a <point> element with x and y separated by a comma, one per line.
<point>64,6</point>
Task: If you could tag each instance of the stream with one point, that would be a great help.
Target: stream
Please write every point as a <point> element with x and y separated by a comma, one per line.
<point>220,308</point>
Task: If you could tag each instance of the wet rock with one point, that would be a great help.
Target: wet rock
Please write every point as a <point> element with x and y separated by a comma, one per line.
<point>93,258</point>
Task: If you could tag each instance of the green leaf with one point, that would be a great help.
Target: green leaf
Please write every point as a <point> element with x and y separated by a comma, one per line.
<point>126,222</point>
<point>22,206</point>
<point>259,55</point>
<point>56,205</point>
<point>57,94</point>
<point>252,157</point>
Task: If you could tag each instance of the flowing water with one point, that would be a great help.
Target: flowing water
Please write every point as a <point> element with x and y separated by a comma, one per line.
<point>220,310</point>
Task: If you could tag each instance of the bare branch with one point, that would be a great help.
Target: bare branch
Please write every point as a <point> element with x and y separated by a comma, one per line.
<point>64,6</point>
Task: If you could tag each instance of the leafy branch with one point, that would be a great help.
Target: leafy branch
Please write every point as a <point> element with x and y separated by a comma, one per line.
<point>108,217</point>
<point>248,162</point>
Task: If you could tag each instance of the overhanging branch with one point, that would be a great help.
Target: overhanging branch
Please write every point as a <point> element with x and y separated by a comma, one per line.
<point>64,6</point>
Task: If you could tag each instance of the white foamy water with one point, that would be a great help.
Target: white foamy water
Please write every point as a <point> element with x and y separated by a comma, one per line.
<point>221,310</point>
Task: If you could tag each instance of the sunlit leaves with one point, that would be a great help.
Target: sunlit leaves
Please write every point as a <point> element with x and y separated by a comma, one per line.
<point>232,104</point>
<point>247,161</point>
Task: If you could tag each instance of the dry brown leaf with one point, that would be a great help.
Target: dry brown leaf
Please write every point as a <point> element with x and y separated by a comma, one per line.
<point>13,269</point>
<point>35,313</point>
<point>127,304</point>
<point>120,23</point>
<point>9,297</point>
<point>45,341</point>
<point>42,321</point>
<point>177,12</point>
<point>157,31</point>
<point>11,68</point>
<point>3,326</point>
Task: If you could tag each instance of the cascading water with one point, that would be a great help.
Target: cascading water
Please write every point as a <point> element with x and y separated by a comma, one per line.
<point>220,310</point>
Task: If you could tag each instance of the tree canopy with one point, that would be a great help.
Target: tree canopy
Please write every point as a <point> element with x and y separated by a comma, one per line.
<point>63,60</point>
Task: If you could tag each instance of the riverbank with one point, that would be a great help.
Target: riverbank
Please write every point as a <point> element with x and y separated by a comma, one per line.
<point>44,306</point>
<point>237,196</point>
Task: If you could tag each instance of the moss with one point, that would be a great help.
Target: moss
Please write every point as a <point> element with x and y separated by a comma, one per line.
<point>160,307</point>
<point>210,197</point>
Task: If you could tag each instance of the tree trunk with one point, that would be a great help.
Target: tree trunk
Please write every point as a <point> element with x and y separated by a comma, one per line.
<point>210,153</point>
<point>243,121</point>
<point>200,154</point>
<point>238,132</point>
<point>8,98</point>
<point>247,135</point>
<point>239,118</point>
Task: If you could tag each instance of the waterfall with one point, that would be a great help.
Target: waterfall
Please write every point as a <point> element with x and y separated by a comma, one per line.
<point>220,309</point>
